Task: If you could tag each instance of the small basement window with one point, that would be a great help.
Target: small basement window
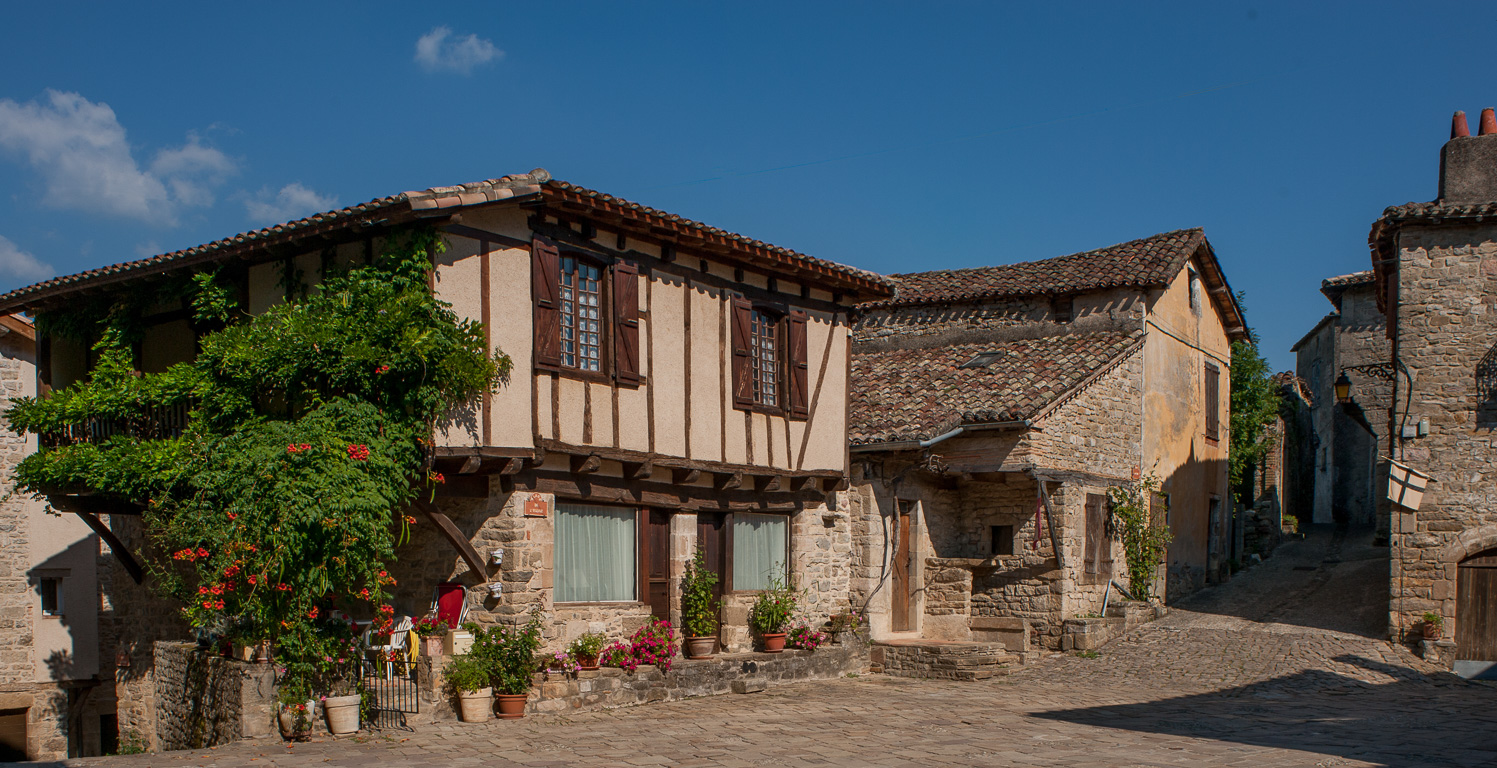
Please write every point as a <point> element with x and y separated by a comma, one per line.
<point>1003,540</point>
<point>51,591</point>
<point>982,360</point>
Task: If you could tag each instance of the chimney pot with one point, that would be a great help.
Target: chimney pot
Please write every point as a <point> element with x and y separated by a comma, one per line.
<point>1459,128</point>
<point>1488,122</point>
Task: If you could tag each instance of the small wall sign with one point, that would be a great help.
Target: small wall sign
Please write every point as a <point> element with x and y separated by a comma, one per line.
<point>1136,472</point>
<point>536,506</point>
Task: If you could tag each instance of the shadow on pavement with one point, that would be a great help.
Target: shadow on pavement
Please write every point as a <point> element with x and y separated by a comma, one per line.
<point>1413,721</point>
<point>1334,579</point>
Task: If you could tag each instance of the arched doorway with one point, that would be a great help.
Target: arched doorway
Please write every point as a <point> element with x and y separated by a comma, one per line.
<point>1476,615</point>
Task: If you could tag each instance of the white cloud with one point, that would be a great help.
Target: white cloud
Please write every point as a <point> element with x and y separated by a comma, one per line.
<point>18,265</point>
<point>85,162</point>
<point>439,50</point>
<point>292,202</point>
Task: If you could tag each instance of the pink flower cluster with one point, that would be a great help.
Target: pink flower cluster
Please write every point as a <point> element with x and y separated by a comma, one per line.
<point>654,643</point>
<point>803,637</point>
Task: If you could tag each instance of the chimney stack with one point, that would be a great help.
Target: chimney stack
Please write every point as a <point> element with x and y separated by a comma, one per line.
<point>1468,164</point>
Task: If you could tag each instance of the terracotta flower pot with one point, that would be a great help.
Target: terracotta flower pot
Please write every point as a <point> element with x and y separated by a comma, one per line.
<point>588,663</point>
<point>476,706</point>
<point>342,713</point>
<point>702,647</point>
<point>262,652</point>
<point>512,705</point>
<point>774,642</point>
<point>1431,631</point>
<point>431,646</point>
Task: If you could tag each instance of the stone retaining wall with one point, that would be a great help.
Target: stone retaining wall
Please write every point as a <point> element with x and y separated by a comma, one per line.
<point>612,687</point>
<point>940,660</point>
<point>203,700</point>
<point>1090,634</point>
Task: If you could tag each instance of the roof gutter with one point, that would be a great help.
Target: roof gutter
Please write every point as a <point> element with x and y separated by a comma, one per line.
<point>910,445</point>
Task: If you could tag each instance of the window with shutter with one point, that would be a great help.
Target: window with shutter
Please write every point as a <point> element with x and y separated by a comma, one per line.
<point>626,323</point>
<point>1097,558</point>
<point>1213,402</point>
<point>545,280</point>
<point>799,375</point>
<point>761,380</point>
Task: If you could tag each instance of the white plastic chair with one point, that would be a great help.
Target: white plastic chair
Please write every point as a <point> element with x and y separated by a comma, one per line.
<point>400,633</point>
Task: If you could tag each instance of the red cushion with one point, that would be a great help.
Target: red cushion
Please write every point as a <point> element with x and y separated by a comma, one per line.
<point>450,596</point>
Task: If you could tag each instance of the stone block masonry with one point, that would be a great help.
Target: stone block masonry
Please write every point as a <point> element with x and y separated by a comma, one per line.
<point>934,659</point>
<point>203,700</point>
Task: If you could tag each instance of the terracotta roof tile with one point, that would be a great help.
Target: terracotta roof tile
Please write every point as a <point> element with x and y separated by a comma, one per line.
<point>917,394</point>
<point>1147,262</point>
<point>436,198</point>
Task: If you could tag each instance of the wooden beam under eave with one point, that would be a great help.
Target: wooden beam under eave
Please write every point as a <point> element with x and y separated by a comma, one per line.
<point>470,465</point>
<point>583,465</point>
<point>681,476</point>
<point>767,483</point>
<point>121,553</point>
<point>640,470</point>
<point>454,536</point>
<point>727,481</point>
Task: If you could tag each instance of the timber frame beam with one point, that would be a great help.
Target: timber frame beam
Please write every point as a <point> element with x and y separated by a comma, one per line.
<point>121,553</point>
<point>454,536</point>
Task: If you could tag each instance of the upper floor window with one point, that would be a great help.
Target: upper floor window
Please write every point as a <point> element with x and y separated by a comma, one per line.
<point>1213,402</point>
<point>586,314</point>
<point>764,332</point>
<point>770,370</point>
<point>581,315</point>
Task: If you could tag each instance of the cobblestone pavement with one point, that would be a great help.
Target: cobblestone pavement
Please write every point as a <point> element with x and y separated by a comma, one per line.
<point>1281,667</point>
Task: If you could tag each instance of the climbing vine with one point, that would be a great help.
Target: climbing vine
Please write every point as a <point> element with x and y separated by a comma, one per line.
<point>1144,544</point>
<point>309,431</point>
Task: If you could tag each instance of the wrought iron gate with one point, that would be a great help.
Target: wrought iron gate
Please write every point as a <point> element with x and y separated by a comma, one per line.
<point>390,685</point>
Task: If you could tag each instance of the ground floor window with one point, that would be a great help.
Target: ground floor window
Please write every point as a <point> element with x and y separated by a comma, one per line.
<point>595,554</point>
<point>760,544</point>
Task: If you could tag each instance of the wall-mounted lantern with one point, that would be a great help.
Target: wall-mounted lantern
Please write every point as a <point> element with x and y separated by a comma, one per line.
<point>1343,389</point>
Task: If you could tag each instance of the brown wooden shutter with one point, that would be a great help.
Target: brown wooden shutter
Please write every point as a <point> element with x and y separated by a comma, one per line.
<point>743,370</point>
<point>1095,522</point>
<point>545,281</point>
<point>626,323</point>
<point>1213,403</point>
<point>799,374</point>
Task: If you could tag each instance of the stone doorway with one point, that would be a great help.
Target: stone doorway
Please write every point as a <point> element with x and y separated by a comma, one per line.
<point>1476,616</point>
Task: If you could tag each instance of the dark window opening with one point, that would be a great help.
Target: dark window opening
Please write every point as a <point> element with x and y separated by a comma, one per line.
<point>1063,308</point>
<point>51,589</point>
<point>982,360</point>
<point>109,734</point>
<point>1213,402</point>
<point>1003,540</point>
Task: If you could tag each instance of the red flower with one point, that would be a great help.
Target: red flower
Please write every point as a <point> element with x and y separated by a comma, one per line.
<point>382,369</point>
<point>358,452</point>
<point>251,580</point>
<point>312,614</point>
<point>232,515</point>
<point>435,477</point>
<point>202,552</point>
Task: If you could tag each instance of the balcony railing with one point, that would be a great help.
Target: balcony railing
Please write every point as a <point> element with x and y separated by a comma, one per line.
<point>157,423</point>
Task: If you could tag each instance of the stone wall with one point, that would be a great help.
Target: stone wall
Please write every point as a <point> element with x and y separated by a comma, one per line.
<point>609,687</point>
<point>204,700</point>
<point>1024,317</point>
<point>1100,430</point>
<point>946,661</point>
<point>1446,336</point>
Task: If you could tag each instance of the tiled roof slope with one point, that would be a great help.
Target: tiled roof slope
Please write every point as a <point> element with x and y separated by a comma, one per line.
<point>1148,262</point>
<point>1334,287</point>
<point>1381,239</point>
<point>537,182</point>
<point>917,394</point>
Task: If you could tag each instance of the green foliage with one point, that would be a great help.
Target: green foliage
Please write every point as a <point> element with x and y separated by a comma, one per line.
<point>772,610</point>
<point>131,743</point>
<point>587,646</point>
<point>1144,544</point>
<point>1255,405</point>
<point>698,605</point>
<point>509,653</point>
<point>467,674</point>
<point>1433,619</point>
<point>310,426</point>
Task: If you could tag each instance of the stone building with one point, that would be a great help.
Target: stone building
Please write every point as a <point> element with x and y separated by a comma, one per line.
<point>50,703</point>
<point>675,386</point>
<point>993,408</point>
<point>1435,268</point>
<point>1347,439</point>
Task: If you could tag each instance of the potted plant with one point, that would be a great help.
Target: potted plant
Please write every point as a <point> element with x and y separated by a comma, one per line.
<point>803,637</point>
<point>585,649</point>
<point>296,708</point>
<point>771,613</point>
<point>510,653</point>
<point>847,621</point>
<point>699,608</point>
<point>1432,624</point>
<point>561,663</point>
<point>468,678</point>
<point>433,632</point>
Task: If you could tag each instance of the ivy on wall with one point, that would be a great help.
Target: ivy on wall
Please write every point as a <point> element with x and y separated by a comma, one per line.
<point>310,426</point>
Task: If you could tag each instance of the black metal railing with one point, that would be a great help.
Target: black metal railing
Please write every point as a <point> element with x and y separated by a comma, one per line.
<point>389,682</point>
<point>155,423</point>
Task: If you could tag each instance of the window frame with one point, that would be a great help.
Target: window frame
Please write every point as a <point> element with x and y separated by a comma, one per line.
<point>604,374</point>
<point>59,609</point>
<point>641,569</point>
<point>729,588</point>
<point>777,317</point>
<point>1211,386</point>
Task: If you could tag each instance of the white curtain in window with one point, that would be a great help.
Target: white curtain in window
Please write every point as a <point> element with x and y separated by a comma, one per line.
<point>594,554</point>
<point>758,549</point>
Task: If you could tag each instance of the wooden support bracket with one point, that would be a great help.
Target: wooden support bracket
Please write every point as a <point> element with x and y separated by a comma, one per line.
<point>470,465</point>
<point>582,465</point>
<point>685,476</point>
<point>639,470</point>
<point>455,537</point>
<point>1050,521</point>
<point>767,483</point>
<point>131,565</point>
<point>726,481</point>
<point>801,483</point>
<point>511,466</point>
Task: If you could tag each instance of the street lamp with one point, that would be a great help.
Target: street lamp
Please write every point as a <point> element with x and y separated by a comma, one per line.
<point>1343,389</point>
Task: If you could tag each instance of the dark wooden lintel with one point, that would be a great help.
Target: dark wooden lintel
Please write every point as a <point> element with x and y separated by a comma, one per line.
<point>455,537</point>
<point>602,488</point>
<point>121,553</point>
<point>545,446</point>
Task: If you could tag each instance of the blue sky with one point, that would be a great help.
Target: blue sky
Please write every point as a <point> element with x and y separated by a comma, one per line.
<point>894,137</point>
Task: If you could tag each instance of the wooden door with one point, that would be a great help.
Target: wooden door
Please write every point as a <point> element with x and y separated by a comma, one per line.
<point>657,560</point>
<point>1476,608</point>
<point>712,537</point>
<point>899,587</point>
<point>12,735</point>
